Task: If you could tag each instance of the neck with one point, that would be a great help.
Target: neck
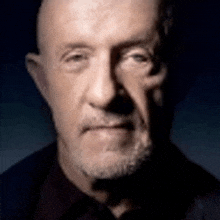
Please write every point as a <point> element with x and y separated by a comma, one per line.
<point>118,195</point>
<point>83,182</point>
<point>107,192</point>
<point>95,189</point>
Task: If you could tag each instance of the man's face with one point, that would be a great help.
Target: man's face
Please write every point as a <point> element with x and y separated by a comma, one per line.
<point>98,63</point>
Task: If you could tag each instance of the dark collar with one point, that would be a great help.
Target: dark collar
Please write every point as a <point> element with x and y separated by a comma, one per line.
<point>37,185</point>
<point>58,194</point>
<point>60,199</point>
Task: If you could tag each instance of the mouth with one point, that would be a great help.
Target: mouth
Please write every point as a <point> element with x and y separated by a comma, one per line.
<point>113,127</point>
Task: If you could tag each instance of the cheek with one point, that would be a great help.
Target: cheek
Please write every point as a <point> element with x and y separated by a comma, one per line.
<point>139,86</point>
<point>65,97</point>
<point>138,93</point>
<point>63,90</point>
<point>154,85</point>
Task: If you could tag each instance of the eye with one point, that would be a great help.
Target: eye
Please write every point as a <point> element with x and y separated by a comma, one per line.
<point>136,61</point>
<point>76,57</point>
<point>137,58</point>
<point>140,58</point>
<point>76,61</point>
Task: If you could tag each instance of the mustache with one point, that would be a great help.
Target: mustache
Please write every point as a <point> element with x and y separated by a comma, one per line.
<point>102,120</point>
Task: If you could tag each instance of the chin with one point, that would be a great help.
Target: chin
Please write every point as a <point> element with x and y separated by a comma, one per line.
<point>114,164</point>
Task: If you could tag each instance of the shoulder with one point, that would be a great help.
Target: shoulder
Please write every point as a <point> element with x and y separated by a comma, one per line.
<point>206,206</point>
<point>20,184</point>
<point>204,190</point>
<point>190,189</point>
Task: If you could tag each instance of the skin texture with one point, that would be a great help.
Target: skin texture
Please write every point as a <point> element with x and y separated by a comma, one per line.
<point>98,73</point>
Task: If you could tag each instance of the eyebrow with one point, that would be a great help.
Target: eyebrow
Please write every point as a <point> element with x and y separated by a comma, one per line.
<point>129,45</point>
<point>73,45</point>
<point>135,40</point>
<point>70,46</point>
<point>132,42</point>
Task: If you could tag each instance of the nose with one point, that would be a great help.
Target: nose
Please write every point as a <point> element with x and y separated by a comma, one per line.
<point>103,85</point>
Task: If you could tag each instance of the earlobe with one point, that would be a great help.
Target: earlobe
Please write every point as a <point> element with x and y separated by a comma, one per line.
<point>35,68</point>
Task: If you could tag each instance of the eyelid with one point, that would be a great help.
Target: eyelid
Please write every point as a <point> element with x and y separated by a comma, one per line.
<point>76,60</point>
<point>76,51</point>
<point>134,50</point>
<point>75,54</point>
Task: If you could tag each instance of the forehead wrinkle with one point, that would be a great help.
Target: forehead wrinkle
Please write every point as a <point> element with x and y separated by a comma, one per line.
<point>100,14</point>
<point>50,17</point>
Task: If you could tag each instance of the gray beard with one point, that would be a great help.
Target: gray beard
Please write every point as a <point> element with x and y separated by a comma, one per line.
<point>126,164</point>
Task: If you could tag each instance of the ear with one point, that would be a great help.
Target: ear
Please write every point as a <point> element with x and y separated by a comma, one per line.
<point>35,68</point>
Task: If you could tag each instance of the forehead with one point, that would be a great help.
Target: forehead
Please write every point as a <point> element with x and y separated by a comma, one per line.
<point>59,19</point>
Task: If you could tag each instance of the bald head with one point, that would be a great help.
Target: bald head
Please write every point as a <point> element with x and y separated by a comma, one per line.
<point>99,8</point>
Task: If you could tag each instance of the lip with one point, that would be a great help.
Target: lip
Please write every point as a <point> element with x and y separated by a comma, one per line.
<point>105,137</point>
<point>116,127</point>
<point>104,134</point>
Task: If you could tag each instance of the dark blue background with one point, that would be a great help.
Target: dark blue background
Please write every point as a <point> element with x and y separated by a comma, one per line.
<point>196,128</point>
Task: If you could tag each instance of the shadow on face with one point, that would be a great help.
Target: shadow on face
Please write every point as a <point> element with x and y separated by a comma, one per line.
<point>101,74</point>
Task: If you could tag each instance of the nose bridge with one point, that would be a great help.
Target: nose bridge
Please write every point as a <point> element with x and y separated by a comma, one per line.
<point>102,87</point>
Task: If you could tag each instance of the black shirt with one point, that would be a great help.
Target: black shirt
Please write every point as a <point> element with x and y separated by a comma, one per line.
<point>171,188</point>
<point>60,199</point>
